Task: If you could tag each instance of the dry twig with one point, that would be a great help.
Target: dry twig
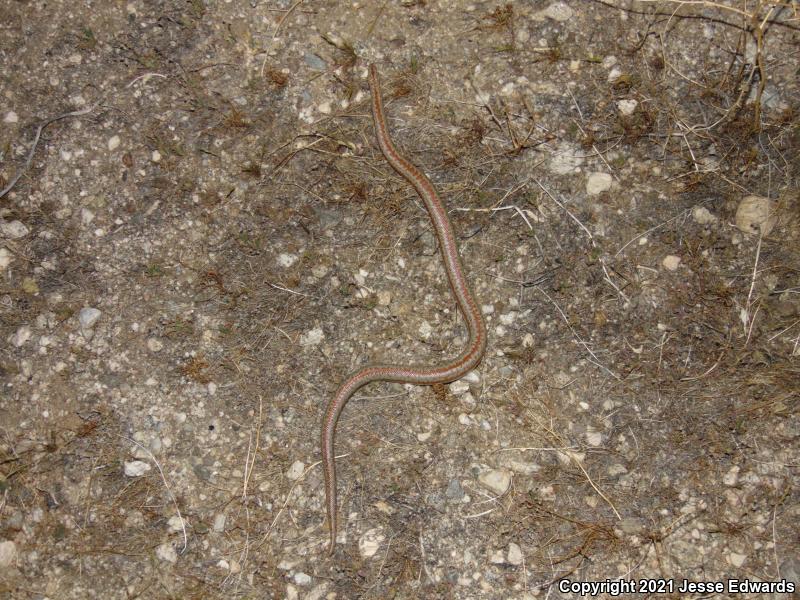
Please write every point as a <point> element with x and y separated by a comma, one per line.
<point>39,129</point>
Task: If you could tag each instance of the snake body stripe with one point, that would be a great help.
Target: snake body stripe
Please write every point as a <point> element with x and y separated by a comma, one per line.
<point>419,374</point>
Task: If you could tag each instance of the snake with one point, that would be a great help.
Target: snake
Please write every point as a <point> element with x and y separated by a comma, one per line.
<point>444,372</point>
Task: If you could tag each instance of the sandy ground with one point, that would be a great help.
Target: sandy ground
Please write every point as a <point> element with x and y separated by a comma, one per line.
<point>195,255</point>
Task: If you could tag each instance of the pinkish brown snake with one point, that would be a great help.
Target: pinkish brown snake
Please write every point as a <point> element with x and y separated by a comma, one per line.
<point>419,374</point>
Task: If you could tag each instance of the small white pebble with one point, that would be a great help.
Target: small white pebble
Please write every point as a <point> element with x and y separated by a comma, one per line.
<point>617,469</point>
<point>627,107</point>
<point>8,553</point>
<point>10,117</point>
<point>312,338</point>
<point>301,578</point>
<point>219,523</point>
<point>472,377</point>
<point>384,298</point>
<point>731,478</point>
<point>756,214</point>
<point>736,559</point>
<point>458,387</point>
<point>597,183</point>
<point>509,317</point>
<point>5,258</point>
<point>167,553</point>
<point>88,316</point>
<point>295,471</point>
<point>594,437</point>
<point>113,142</point>
<point>136,468</point>
<point>468,401</point>
<point>154,344</point>
<point>286,260</point>
<point>425,330</point>
<point>515,556</point>
<point>671,262</point>
<point>558,11</point>
<point>155,156</point>
<point>614,74</point>
<point>370,542</point>
<point>496,480</point>
<point>22,335</point>
<point>175,523</point>
<point>14,229</point>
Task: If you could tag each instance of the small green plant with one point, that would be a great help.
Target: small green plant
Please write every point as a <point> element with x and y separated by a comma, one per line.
<point>154,270</point>
<point>87,40</point>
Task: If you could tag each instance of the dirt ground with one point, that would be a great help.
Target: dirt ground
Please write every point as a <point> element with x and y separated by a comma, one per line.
<point>209,239</point>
